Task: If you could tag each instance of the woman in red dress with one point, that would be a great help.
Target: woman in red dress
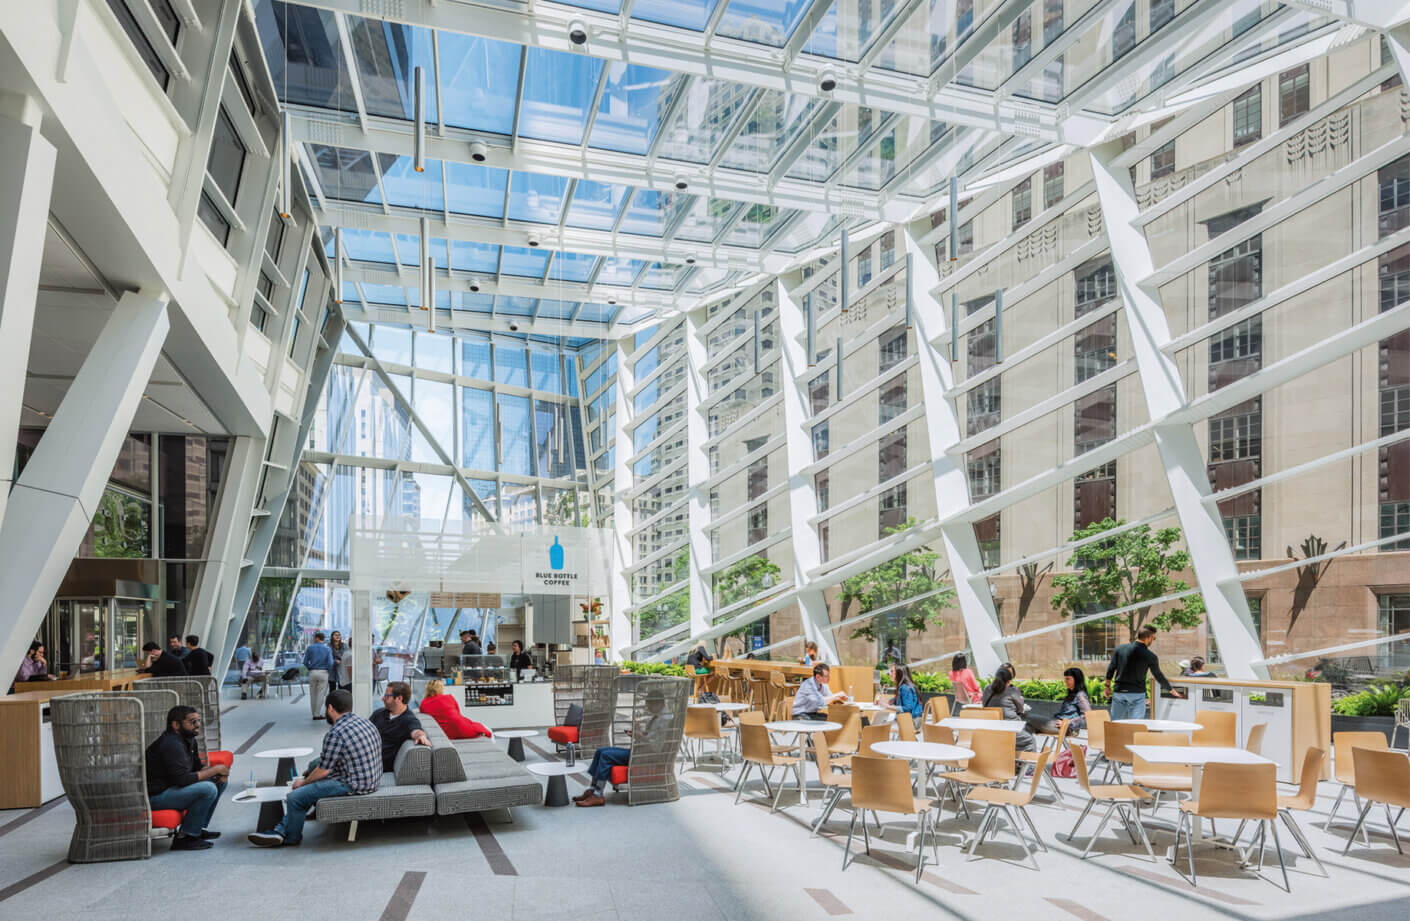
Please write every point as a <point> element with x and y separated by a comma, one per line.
<point>442,707</point>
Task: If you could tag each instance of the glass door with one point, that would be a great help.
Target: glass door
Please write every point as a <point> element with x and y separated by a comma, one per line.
<point>133,625</point>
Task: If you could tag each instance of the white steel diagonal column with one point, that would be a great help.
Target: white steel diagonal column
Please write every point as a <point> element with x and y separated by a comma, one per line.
<point>225,545</point>
<point>53,501</point>
<point>802,497</point>
<point>1210,555</point>
<point>26,178</point>
<point>702,597</point>
<point>942,425</point>
<point>620,589</point>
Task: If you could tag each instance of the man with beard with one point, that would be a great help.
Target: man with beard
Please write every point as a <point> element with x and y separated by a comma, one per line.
<point>177,780</point>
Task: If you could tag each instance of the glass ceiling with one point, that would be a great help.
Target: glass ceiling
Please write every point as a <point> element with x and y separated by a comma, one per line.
<point>577,108</point>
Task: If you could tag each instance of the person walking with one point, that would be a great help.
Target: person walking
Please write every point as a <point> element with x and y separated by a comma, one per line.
<point>318,659</point>
<point>1129,665</point>
<point>242,655</point>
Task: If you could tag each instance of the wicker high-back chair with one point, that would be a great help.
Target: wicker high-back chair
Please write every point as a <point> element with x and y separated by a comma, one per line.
<point>568,681</point>
<point>203,693</point>
<point>100,745</point>
<point>599,708</point>
<point>658,721</point>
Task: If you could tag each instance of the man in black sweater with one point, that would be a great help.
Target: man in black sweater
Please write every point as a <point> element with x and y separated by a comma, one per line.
<point>177,780</point>
<point>397,723</point>
<point>198,661</point>
<point>166,665</point>
<point>1129,665</point>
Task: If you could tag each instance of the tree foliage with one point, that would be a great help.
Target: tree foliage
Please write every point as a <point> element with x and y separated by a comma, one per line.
<point>1125,569</point>
<point>674,608</point>
<point>121,529</point>
<point>896,580</point>
<point>744,579</point>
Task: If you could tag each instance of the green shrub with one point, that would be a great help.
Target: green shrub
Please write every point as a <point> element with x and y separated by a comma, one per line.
<point>657,668</point>
<point>1375,701</point>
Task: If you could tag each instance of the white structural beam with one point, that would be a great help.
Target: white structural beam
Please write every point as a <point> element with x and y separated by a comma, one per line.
<point>572,161</point>
<point>53,502</point>
<point>620,597</point>
<point>702,597</point>
<point>26,178</point>
<point>648,44</point>
<point>382,273</point>
<point>1375,14</point>
<point>475,321</point>
<point>1210,555</point>
<point>360,216</point>
<point>213,599</point>
<point>981,620</point>
<point>802,496</point>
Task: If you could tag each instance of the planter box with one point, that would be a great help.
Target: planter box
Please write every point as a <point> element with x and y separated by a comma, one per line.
<point>1382,724</point>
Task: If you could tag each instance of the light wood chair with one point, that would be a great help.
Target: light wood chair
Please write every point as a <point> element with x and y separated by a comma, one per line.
<point>936,709</point>
<point>993,763</point>
<point>870,736</point>
<point>1219,729</point>
<point>1382,776</point>
<point>701,724</point>
<point>1304,800</point>
<point>1344,766</point>
<point>759,753</point>
<point>1254,743</point>
<point>1160,778</point>
<point>982,713</point>
<point>1115,749</point>
<point>834,782</point>
<point>884,785</point>
<point>1097,721</point>
<point>1402,721</point>
<point>1118,797</point>
<point>1008,801</point>
<point>905,727</point>
<point>934,732</point>
<point>1248,792</point>
<point>756,718</point>
<point>842,743</point>
<point>1032,758</point>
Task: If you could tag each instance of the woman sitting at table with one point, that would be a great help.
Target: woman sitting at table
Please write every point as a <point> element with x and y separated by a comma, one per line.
<point>1074,706</point>
<point>442,708</point>
<point>1001,693</point>
<point>962,677</point>
<point>907,697</point>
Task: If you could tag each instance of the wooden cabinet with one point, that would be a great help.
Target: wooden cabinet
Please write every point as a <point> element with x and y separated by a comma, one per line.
<point>29,773</point>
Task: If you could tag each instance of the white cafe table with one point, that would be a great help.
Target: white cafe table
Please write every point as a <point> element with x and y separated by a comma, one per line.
<point>1196,757</point>
<point>556,792</point>
<point>516,739</point>
<point>960,723</point>
<point>800,729</point>
<point>284,771</point>
<point>923,751</point>
<point>1163,725</point>
<point>271,804</point>
<point>724,706</point>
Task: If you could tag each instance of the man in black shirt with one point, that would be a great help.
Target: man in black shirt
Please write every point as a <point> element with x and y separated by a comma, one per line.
<point>177,780</point>
<point>198,661</point>
<point>396,723</point>
<point>166,665</point>
<point>1129,664</point>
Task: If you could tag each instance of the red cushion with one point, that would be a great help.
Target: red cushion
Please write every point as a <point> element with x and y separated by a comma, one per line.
<point>563,734</point>
<point>166,818</point>
<point>220,757</point>
<point>619,774</point>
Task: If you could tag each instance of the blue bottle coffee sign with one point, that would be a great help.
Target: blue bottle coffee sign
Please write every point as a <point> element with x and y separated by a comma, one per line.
<point>555,555</point>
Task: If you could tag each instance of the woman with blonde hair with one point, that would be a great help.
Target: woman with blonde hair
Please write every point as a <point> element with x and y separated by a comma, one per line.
<point>441,707</point>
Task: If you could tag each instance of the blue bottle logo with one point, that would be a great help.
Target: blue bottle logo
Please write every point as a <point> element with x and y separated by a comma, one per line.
<point>555,555</point>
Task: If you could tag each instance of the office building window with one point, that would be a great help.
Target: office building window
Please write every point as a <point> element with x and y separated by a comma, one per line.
<point>1393,619</point>
<point>1094,421</point>
<point>758,478</point>
<point>892,350</point>
<point>1236,276</point>
<point>892,510</point>
<point>141,42</point>
<point>984,406</point>
<point>1235,437</point>
<point>888,249</point>
<point>1095,640</point>
<point>1394,520</point>
<point>210,214</point>
<point>892,400</point>
<point>820,489</point>
<point>1162,11</point>
<point>1094,348</point>
<point>1393,182</point>
<point>758,524</point>
<point>1022,203</point>
<point>1095,284</point>
<point>1052,184</point>
<point>1123,37</point>
<point>1394,277</point>
<point>819,389</point>
<point>1294,95</point>
<point>259,317</point>
<point>891,456</point>
<point>1248,116</point>
<point>986,534</point>
<point>227,157</point>
<point>820,439</point>
<point>1022,39</point>
<point>824,543</point>
<point>982,466</point>
<point>1245,536</point>
<point>1163,160</point>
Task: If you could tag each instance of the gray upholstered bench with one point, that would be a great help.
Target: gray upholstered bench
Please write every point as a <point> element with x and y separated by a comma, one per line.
<point>474,775</point>
<point>405,791</point>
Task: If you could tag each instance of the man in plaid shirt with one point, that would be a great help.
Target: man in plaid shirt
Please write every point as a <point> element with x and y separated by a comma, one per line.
<point>350,764</point>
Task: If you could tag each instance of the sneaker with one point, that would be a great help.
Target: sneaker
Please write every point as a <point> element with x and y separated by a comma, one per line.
<point>189,843</point>
<point>209,835</point>
<point>266,839</point>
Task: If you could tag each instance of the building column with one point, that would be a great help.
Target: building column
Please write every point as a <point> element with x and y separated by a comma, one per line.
<point>1216,573</point>
<point>697,432</point>
<point>360,646</point>
<point>619,596</point>
<point>26,179</point>
<point>53,501</point>
<point>942,424</point>
<point>228,529</point>
<point>802,497</point>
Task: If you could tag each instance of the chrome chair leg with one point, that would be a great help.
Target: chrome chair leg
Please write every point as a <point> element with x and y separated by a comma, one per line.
<point>1081,818</point>
<point>1106,817</point>
<point>1282,863</point>
<point>1359,823</point>
<point>1393,836</point>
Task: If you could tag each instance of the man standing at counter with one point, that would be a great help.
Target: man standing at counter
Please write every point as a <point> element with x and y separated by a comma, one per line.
<point>1129,664</point>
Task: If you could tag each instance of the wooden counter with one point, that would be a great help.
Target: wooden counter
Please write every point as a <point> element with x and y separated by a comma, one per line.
<point>860,678</point>
<point>29,772</point>
<point>120,680</point>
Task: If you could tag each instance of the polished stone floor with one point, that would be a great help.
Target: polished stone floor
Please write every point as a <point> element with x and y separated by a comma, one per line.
<point>699,858</point>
